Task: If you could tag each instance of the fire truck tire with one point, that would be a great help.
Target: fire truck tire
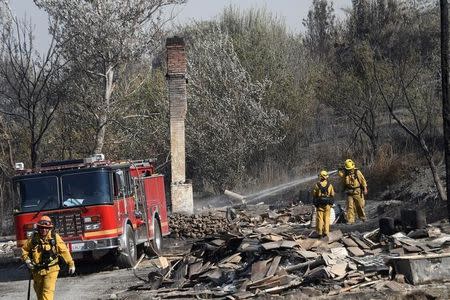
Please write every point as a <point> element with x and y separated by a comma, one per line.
<point>127,257</point>
<point>157,238</point>
<point>157,241</point>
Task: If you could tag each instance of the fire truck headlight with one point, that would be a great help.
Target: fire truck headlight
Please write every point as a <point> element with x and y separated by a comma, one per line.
<point>92,223</point>
<point>92,219</point>
<point>92,226</point>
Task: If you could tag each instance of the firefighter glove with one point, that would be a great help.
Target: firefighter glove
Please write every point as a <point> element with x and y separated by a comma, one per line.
<point>29,264</point>
<point>72,270</point>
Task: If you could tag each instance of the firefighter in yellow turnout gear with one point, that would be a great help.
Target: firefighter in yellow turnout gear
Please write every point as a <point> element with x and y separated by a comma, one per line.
<point>41,253</point>
<point>355,187</point>
<point>323,194</point>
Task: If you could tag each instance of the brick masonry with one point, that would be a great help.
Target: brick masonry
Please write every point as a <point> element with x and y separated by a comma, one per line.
<point>181,192</point>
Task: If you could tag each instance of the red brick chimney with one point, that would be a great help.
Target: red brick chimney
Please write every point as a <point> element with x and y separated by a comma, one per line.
<point>181,192</point>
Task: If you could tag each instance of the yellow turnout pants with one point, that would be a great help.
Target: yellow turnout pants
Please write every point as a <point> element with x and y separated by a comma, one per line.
<point>323,219</point>
<point>355,207</point>
<point>44,285</point>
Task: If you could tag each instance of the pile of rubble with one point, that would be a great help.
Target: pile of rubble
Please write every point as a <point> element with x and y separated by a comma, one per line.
<point>268,256</point>
<point>7,247</point>
<point>198,225</point>
<point>236,219</point>
<point>261,214</point>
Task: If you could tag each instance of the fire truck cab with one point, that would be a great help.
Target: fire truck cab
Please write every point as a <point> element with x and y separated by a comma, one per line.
<point>97,206</point>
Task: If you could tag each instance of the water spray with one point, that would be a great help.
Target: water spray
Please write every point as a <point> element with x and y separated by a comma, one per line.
<point>270,191</point>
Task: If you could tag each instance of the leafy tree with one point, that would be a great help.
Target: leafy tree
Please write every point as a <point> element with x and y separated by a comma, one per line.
<point>352,91</point>
<point>33,86</point>
<point>31,89</point>
<point>408,82</point>
<point>412,103</point>
<point>375,32</point>
<point>226,120</point>
<point>144,128</point>
<point>320,28</point>
<point>100,38</point>
<point>268,52</point>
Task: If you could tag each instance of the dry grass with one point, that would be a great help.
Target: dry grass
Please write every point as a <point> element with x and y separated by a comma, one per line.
<point>389,168</point>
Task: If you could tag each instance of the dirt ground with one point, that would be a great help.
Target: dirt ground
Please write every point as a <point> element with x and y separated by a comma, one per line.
<point>92,283</point>
<point>93,280</point>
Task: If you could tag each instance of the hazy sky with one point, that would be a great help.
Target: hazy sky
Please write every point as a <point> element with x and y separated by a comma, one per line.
<point>293,11</point>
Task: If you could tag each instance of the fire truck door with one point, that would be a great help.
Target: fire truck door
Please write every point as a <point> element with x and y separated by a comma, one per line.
<point>120,192</point>
<point>141,205</point>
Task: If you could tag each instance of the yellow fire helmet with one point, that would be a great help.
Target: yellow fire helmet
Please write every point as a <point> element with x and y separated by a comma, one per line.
<point>45,222</point>
<point>323,174</point>
<point>349,164</point>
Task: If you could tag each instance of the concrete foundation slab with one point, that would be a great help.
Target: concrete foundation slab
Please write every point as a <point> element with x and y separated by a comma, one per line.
<point>420,269</point>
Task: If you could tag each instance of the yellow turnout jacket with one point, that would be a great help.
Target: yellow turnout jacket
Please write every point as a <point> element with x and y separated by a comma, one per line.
<point>36,246</point>
<point>354,181</point>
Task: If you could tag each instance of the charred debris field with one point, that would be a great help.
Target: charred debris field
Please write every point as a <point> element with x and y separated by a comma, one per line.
<point>254,250</point>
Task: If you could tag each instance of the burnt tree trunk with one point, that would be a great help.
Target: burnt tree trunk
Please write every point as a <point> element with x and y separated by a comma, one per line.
<point>104,114</point>
<point>445,99</point>
<point>434,169</point>
<point>6,167</point>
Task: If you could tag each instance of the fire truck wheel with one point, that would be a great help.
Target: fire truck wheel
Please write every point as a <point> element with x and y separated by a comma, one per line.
<point>156,246</point>
<point>157,238</point>
<point>128,257</point>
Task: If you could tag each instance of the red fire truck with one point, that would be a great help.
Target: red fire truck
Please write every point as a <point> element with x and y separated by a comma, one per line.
<point>97,206</point>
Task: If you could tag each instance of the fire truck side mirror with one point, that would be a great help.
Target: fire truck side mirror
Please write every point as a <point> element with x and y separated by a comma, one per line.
<point>119,192</point>
<point>138,214</point>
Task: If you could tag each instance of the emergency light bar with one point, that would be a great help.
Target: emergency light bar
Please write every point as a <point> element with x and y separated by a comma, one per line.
<point>19,166</point>
<point>94,158</point>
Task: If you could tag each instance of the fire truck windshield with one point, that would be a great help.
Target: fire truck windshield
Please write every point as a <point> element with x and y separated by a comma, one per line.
<point>87,188</point>
<point>38,193</point>
<point>48,192</point>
